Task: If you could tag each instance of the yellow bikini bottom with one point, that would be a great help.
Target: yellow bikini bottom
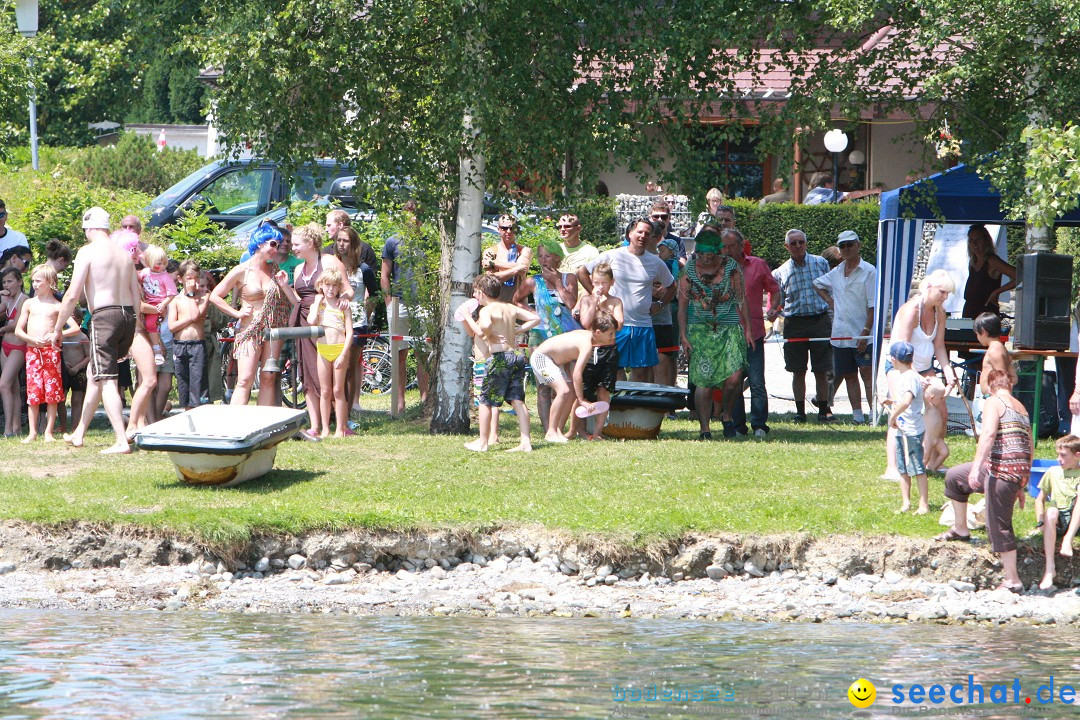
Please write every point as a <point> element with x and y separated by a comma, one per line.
<point>330,351</point>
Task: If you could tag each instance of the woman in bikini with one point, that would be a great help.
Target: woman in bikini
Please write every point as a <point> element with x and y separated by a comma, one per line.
<point>13,357</point>
<point>266,299</point>
<point>307,245</point>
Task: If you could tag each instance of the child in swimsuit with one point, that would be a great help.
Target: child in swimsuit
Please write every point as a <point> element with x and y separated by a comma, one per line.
<point>13,356</point>
<point>600,299</point>
<point>159,289</point>
<point>328,312</point>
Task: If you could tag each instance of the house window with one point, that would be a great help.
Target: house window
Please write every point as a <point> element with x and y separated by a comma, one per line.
<point>729,160</point>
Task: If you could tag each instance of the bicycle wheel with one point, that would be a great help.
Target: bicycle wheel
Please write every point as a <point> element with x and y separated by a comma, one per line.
<point>376,371</point>
<point>292,387</point>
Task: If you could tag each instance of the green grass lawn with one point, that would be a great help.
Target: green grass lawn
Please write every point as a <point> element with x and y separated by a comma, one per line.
<point>394,475</point>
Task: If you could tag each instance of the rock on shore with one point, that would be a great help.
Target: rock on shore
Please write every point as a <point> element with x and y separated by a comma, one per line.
<point>527,572</point>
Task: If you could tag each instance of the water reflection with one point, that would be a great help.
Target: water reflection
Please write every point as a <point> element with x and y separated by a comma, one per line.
<point>60,664</point>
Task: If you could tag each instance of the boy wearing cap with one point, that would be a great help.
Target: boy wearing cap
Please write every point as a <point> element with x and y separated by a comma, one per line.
<point>907,418</point>
<point>850,290</point>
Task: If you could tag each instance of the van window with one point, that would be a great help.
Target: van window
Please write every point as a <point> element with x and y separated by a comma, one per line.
<point>242,193</point>
<point>311,182</point>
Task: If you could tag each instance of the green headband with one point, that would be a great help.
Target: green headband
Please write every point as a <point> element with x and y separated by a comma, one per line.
<point>552,246</point>
<point>705,247</point>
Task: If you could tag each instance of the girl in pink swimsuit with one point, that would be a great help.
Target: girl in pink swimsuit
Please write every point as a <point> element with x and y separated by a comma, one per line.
<point>13,356</point>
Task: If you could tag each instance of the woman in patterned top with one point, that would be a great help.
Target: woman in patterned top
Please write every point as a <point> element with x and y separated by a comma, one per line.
<point>712,318</point>
<point>1000,469</point>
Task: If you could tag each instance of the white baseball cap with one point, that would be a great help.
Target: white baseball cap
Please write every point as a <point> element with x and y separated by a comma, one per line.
<point>847,236</point>
<point>95,219</point>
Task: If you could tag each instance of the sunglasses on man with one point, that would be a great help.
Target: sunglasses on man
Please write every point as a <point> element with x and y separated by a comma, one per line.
<point>567,226</point>
<point>846,244</point>
<point>660,216</point>
<point>3,214</point>
<point>507,228</point>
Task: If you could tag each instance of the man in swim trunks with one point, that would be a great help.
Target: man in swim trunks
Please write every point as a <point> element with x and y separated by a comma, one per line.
<point>105,274</point>
<point>575,346</point>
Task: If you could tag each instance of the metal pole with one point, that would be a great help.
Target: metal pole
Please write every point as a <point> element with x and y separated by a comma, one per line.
<point>33,119</point>
<point>835,176</point>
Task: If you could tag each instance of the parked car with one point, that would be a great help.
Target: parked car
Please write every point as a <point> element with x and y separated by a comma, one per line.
<point>235,191</point>
<point>242,232</point>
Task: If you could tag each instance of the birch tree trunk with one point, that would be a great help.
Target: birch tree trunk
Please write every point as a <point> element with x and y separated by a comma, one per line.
<point>460,260</point>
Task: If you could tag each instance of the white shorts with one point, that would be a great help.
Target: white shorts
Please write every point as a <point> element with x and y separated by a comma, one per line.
<point>546,370</point>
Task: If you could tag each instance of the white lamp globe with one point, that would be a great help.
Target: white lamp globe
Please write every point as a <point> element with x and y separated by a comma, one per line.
<point>836,141</point>
<point>857,157</point>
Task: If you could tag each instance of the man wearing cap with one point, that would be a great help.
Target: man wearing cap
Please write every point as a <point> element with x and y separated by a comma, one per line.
<point>9,238</point>
<point>660,212</point>
<point>506,259</point>
<point>806,317</point>
<point>758,281</point>
<point>850,290</point>
<point>105,274</point>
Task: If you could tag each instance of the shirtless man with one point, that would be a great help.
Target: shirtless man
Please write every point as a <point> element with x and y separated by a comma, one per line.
<point>575,347</point>
<point>505,378</point>
<point>506,259</point>
<point>105,275</point>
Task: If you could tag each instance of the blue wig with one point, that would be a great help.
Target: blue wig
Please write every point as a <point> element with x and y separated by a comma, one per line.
<point>263,234</point>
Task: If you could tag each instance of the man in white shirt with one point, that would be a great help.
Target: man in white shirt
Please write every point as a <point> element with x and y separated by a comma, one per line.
<point>850,289</point>
<point>635,271</point>
<point>9,238</point>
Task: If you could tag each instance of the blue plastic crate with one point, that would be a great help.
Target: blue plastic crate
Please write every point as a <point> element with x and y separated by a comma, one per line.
<point>1038,467</point>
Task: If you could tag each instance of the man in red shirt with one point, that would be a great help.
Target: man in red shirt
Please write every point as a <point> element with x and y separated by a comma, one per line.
<point>758,281</point>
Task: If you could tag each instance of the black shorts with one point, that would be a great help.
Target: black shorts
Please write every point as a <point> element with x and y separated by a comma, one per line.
<point>819,353</point>
<point>667,342</point>
<point>505,379</point>
<point>601,370</point>
<point>76,381</point>
<point>848,360</point>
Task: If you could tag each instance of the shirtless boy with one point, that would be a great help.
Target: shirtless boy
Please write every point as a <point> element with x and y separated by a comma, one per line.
<point>481,352</point>
<point>603,279</point>
<point>576,347</point>
<point>34,327</point>
<point>505,379</point>
<point>187,321</point>
<point>105,275</point>
<point>988,333</point>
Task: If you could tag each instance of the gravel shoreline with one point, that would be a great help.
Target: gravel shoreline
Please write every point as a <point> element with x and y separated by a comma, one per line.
<point>526,572</point>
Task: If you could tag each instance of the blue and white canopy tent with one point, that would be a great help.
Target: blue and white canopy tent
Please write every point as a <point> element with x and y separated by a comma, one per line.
<point>957,195</point>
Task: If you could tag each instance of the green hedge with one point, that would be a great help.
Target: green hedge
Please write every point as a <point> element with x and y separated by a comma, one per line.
<point>46,206</point>
<point>765,227</point>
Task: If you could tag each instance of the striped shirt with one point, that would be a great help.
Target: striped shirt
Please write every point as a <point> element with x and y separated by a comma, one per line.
<point>797,284</point>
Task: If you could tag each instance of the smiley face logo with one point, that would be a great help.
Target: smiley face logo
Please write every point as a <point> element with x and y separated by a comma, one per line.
<point>862,693</point>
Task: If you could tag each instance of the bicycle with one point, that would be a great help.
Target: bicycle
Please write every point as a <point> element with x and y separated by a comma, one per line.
<point>376,368</point>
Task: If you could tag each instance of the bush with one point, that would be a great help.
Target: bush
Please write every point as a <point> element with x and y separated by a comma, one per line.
<point>197,237</point>
<point>766,226</point>
<point>134,163</point>
<point>45,206</point>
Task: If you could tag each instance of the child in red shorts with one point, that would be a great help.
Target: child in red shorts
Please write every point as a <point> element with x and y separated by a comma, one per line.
<point>34,326</point>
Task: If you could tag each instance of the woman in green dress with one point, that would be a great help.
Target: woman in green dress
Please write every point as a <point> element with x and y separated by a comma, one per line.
<point>712,327</point>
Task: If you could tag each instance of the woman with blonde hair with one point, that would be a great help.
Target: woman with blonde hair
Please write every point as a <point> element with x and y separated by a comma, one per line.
<point>307,245</point>
<point>713,200</point>
<point>921,322</point>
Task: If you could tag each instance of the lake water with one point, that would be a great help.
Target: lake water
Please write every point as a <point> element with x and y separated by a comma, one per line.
<point>66,664</point>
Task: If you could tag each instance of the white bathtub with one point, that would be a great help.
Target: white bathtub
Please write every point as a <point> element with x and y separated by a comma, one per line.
<point>222,444</point>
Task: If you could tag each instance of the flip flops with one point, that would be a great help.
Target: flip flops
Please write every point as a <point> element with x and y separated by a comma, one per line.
<point>598,407</point>
<point>951,535</point>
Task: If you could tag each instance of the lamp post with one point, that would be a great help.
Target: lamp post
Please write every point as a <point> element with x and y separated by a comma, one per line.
<point>835,142</point>
<point>26,17</point>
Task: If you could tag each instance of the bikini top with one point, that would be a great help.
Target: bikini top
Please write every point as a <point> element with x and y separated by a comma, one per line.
<point>331,317</point>
<point>14,309</point>
<point>251,293</point>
